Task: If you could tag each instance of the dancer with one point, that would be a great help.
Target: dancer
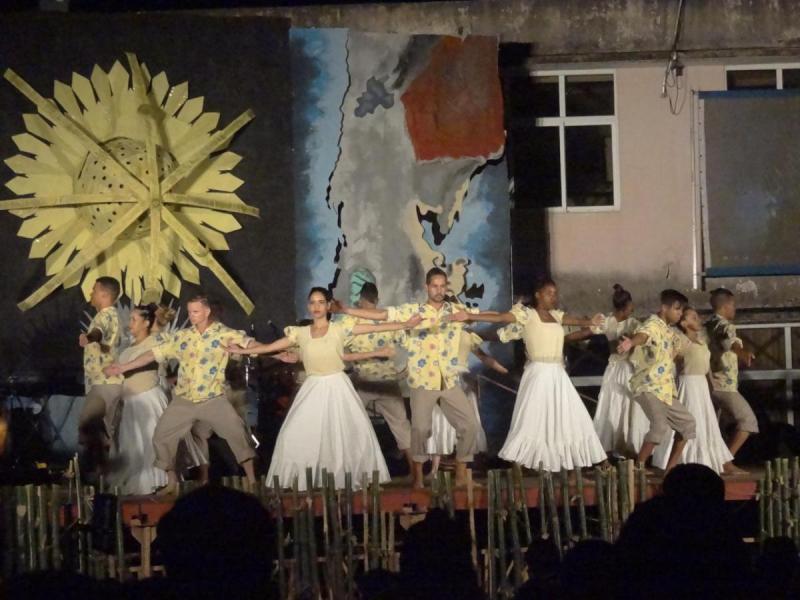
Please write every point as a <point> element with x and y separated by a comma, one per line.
<point>726,352</point>
<point>694,386</point>
<point>327,427</point>
<point>198,395</point>
<point>620,423</point>
<point>550,425</point>
<point>98,420</point>
<point>376,380</point>
<point>433,350</point>
<point>443,435</point>
<point>653,380</point>
<point>144,401</point>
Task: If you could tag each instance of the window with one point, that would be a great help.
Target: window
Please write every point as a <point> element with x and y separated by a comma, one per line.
<point>763,77</point>
<point>562,128</point>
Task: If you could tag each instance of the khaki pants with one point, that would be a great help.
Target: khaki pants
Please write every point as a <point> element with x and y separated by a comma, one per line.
<point>737,407</point>
<point>216,413</point>
<point>100,415</point>
<point>386,399</point>
<point>459,413</point>
<point>665,417</point>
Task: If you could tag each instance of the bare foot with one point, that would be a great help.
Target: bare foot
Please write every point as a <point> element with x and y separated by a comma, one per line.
<point>417,484</point>
<point>171,489</point>
<point>731,469</point>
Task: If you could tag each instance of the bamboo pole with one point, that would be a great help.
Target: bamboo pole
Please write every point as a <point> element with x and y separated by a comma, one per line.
<point>565,504</point>
<point>624,507</point>
<point>491,579</point>
<point>42,525</point>
<point>276,486</point>
<point>769,500</point>
<point>762,502</point>
<point>375,492</point>
<point>513,507</point>
<point>309,515</point>
<point>642,482</point>
<point>298,525</point>
<point>581,504</point>
<point>435,491</point>
<point>382,555</point>
<point>365,518</point>
<point>472,532</point>
<point>501,514</point>
<point>542,503</point>
<point>778,505</point>
<point>79,506</point>
<point>787,499</point>
<point>8,507</point>
<point>631,481</point>
<point>520,485</point>
<point>334,524</point>
<point>600,497</point>
<point>448,494</point>
<point>30,528</point>
<point>350,575</point>
<point>551,501</point>
<point>796,498</point>
<point>21,531</point>
<point>613,504</point>
<point>119,537</point>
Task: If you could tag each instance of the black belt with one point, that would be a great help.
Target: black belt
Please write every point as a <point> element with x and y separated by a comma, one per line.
<point>153,366</point>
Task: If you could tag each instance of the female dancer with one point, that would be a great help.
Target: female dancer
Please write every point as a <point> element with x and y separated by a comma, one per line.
<point>550,424</point>
<point>327,426</point>
<point>694,392</point>
<point>443,435</point>
<point>144,402</point>
<point>620,423</point>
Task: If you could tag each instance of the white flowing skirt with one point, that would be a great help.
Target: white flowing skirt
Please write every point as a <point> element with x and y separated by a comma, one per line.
<point>443,435</point>
<point>550,424</point>
<point>140,413</point>
<point>620,423</point>
<point>327,428</point>
<point>708,448</point>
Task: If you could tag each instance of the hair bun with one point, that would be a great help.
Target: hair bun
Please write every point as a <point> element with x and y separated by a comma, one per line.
<point>164,315</point>
<point>618,288</point>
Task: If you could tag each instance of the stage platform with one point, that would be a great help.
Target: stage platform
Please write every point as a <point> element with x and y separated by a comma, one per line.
<point>399,497</point>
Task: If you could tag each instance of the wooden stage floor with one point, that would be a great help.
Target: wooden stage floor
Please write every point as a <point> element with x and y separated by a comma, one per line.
<point>399,497</point>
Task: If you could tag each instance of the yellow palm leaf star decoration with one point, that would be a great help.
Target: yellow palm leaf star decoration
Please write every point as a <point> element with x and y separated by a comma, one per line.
<point>124,175</point>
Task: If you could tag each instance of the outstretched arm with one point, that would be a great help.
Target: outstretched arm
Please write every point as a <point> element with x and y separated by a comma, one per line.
<point>385,352</point>
<point>362,328</point>
<point>577,336</point>
<point>745,356</point>
<point>374,314</point>
<point>627,343</point>
<point>282,344</point>
<point>595,321</point>
<point>139,361</point>
<point>488,316</point>
<point>490,361</point>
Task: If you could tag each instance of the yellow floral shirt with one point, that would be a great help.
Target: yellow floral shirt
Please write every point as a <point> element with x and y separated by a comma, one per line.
<point>94,359</point>
<point>202,357</point>
<point>373,369</point>
<point>724,362</point>
<point>433,345</point>
<point>654,363</point>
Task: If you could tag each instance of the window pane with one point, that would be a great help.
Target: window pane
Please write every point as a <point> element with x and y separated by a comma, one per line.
<point>535,166</point>
<point>752,79</point>
<point>590,172</point>
<point>791,79</point>
<point>532,97</point>
<point>589,95</point>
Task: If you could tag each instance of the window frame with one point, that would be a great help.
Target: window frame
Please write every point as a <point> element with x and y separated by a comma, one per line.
<point>562,121</point>
<point>777,67</point>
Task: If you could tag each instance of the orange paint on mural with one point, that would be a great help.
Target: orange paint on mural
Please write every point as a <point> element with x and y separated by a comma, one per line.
<point>454,108</point>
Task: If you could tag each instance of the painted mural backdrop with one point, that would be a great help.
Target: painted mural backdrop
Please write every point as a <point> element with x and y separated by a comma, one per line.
<point>398,150</point>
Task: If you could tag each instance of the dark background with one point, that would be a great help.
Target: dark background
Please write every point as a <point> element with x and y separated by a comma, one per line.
<point>236,64</point>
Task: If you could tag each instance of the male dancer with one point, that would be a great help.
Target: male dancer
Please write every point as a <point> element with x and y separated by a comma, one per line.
<point>377,380</point>
<point>726,352</point>
<point>432,355</point>
<point>653,379</point>
<point>199,393</point>
<point>98,420</point>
